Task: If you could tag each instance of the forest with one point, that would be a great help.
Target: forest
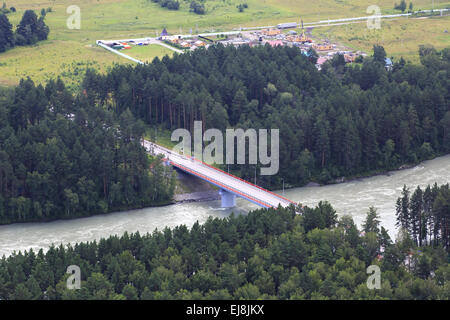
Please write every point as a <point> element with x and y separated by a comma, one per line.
<point>342,121</point>
<point>266,254</point>
<point>66,154</point>
<point>61,157</point>
<point>30,30</point>
<point>425,214</point>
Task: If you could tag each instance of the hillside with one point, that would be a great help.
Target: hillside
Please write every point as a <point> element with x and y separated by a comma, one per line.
<point>70,52</point>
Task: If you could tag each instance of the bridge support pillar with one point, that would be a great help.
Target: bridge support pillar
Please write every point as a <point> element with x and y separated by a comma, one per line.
<point>228,199</point>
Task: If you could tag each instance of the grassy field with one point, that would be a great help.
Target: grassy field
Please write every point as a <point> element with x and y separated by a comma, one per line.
<point>68,52</point>
<point>400,37</point>
<point>53,58</point>
<point>148,53</point>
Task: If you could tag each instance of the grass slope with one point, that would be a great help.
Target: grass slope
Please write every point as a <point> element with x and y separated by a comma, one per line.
<point>400,37</point>
<point>70,51</point>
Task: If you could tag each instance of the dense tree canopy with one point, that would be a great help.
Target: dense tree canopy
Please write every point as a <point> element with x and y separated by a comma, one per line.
<point>340,121</point>
<point>6,34</point>
<point>62,158</point>
<point>425,214</point>
<point>30,30</point>
<point>169,4</point>
<point>267,254</point>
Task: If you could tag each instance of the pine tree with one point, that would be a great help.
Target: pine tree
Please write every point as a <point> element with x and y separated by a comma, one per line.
<point>379,54</point>
<point>42,30</point>
<point>402,210</point>
<point>322,147</point>
<point>441,210</point>
<point>416,216</point>
<point>428,214</point>
<point>370,145</point>
<point>31,28</point>
<point>372,222</point>
<point>28,26</point>
<point>6,34</point>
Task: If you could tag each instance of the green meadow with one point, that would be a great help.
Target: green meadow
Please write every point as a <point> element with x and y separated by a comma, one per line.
<point>400,37</point>
<point>148,53</point>
<point>67,53</point>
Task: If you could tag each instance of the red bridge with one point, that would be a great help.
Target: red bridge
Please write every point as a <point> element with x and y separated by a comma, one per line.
<point>230,186</point>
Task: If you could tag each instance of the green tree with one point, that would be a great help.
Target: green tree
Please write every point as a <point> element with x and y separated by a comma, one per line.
<point>401,6</point>
<point>21,292</point>
<point>402,209</point>
<point>6,34</point>
<point>372,222</point>
<point>247,292</point>
<point>379,54</point>
<point>130,292</point>
<point>28,26</point>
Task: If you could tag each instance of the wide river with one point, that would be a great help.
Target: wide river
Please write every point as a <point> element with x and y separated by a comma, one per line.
<point>353,197</point>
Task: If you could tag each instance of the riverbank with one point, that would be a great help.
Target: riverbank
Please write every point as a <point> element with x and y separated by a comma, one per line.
<point>192,189</point>
<point>197,196</point>
<point>350,198</point>
<point>360,176</point>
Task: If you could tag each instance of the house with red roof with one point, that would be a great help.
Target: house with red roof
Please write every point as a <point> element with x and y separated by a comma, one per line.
<point>275,43</point>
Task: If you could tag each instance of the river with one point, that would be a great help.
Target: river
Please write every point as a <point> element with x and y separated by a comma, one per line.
<point>353,197</point>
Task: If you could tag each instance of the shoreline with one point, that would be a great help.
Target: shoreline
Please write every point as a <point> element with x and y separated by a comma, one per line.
<point>196,196</point>
<point>349,198</point>
<point>344,179</point>
<point>210,194</point>
<point>199,196</point>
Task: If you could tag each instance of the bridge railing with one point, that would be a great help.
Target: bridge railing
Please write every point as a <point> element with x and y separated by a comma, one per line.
<point>221,185</point>
<point>245,181</point>
<point>218,183</point>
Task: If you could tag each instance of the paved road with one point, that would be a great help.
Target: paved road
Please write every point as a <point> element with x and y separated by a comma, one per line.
<point>322,23</point>
<point>219,178</point>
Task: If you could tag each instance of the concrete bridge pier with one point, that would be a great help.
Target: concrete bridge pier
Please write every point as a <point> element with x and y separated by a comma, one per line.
<point>228,199</point>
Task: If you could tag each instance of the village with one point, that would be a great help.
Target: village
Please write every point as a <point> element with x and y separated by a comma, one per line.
<point>286,34</point>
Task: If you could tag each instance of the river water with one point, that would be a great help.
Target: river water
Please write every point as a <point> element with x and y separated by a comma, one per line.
<point>353,197</point>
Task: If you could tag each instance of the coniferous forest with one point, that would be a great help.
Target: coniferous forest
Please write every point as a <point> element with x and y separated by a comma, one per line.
<point>30,30</point>
<point>344,120</point>
<point>267,254</point>
<point>70,154</point>
<point>425,214</point>
<point>66,154</point>
<point>60,157</point>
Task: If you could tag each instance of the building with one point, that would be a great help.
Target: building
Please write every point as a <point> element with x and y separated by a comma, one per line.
<point>287,25</point>
<point>320,62</point>
<point>271,32</point>
<point>164,34</point>
<point>349,57</point>
<point>199,43</point>
<point>388,64</point>
<point>323,47</point>
<point>275,43</point>
<point>185,44</point>
<point>299,38</point>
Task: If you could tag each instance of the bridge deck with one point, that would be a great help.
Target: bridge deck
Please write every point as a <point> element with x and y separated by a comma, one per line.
<point>221,179</point>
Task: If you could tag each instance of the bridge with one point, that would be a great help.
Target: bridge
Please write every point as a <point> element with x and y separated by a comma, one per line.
<point>229,185</point>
